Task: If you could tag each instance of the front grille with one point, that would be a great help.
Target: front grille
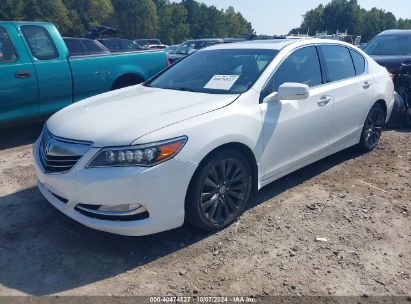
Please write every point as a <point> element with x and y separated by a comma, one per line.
<point>59,155</point>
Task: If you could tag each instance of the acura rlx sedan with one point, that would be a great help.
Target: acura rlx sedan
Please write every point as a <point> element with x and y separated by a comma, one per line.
<point>195,141</point>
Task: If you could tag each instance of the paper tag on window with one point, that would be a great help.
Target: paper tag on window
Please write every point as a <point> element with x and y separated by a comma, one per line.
<point>221,82</point>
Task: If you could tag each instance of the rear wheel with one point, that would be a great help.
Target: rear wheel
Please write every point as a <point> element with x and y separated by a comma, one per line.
<point>219,191</point>
<point>373,127</point>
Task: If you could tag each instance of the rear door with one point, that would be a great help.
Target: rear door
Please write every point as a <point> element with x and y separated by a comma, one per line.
<point>351,88</point>
<point>18,81</point>
<point>51,65</point>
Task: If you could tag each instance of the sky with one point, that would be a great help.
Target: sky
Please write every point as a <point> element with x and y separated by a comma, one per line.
<point>276,17</point>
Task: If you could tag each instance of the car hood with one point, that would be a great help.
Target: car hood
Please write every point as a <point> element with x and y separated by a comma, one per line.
<point>120,117</point>
<point>392,63</point>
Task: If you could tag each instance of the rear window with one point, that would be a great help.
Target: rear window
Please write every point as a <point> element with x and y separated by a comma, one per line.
<point>75,47</point>
<point>40,43</point>
<point>7,51</point>
<point>94,47</point>
<point>389,45</point>
<point>338,62</point>
<point>359,62</point>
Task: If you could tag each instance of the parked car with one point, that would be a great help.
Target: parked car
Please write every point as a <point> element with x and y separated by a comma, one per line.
<point>157,47</point>
<point>233,40</point>
<point>39,76</point>
<point>119,45</point>
<point>84,46</point>
<point>145,43</point>
<point>191,46</point>
<point>392,49</point>
<point>194,142</point>
<point>100,32</point>
<point>171,49</point>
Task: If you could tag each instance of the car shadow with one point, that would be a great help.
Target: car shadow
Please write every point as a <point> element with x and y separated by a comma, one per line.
<point>44,252</point>
<point>12,136</point>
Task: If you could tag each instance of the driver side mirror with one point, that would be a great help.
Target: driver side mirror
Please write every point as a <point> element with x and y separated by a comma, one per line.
<point>289,91</point>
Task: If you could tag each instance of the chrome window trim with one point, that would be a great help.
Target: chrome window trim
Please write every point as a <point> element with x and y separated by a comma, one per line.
<point>366,70</point>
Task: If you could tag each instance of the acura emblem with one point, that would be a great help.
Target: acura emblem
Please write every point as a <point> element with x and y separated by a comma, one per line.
<point>49,146</point>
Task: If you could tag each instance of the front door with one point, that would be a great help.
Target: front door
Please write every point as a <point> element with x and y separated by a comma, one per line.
<point>52,67</point>
<point>18,81</point>
<point>296,130</point>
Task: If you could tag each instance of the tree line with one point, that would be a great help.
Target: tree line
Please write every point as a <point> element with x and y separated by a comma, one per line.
<point>169,21</point>
<point>347,15</point>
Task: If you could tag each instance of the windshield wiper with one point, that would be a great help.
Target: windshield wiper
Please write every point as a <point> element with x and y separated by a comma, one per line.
<point>181,89</point>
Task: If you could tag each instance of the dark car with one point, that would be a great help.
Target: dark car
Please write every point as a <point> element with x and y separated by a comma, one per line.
<point>190,46</point>
<point>392,49</point>
<point>116,45</point>
<point>84,46</point>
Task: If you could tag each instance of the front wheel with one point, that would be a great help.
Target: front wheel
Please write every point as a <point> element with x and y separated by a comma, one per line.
<point>219,191</point>
<point>372,129</point>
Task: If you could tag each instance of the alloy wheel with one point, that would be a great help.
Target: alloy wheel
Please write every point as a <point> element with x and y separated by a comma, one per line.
<point>224,191</point>
<point>373,126</point>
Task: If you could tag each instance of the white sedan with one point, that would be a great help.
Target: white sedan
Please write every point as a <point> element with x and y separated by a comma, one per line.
<point>194,142</point>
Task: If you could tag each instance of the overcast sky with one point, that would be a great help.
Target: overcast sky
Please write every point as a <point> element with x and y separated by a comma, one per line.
<point>279,16</point>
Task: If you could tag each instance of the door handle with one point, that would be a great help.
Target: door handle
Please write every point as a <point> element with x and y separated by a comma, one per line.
<point>23,74</point>
<point>366,85</point>
<point>324,100</point>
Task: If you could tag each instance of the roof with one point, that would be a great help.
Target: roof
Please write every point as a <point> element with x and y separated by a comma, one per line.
<point>206,39</point>
<point>28,22</point>
<point>275,44</point>
<point>395,32</point>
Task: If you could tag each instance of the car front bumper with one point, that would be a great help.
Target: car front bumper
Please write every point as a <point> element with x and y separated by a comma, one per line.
<point>161,190</point>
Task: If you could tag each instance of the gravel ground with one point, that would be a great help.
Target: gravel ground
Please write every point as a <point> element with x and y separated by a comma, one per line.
<point>339,227</point>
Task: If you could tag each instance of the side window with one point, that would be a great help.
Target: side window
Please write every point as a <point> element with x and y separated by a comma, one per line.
<point>338,62</point>
<point>41,45</point>
<point>359,62</point>
<point>7,51</point>
<point>302,66</point>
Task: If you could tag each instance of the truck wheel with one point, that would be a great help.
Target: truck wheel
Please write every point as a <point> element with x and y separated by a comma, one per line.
<point>126,81</point>
<point>219,191</point>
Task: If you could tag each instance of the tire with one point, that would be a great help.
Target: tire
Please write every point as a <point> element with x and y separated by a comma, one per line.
<point>219,191</point>
<point>373,126</point>
<point>397,118</point>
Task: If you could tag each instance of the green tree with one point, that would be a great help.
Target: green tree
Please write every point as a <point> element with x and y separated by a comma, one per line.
<point>172,23</point>
<point>90,13</point>
<point>135,18</point>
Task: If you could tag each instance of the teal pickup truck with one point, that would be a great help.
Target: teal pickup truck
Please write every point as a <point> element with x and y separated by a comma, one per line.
<point>39,76</point>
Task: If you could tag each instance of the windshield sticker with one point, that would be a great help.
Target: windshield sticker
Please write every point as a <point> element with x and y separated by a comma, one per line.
<point>221,82</point>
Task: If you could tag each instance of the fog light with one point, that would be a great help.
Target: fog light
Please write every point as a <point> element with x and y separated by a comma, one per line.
<point>120,208</point>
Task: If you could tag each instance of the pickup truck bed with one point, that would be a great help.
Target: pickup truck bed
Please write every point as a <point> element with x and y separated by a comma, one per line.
<point>38,77</point>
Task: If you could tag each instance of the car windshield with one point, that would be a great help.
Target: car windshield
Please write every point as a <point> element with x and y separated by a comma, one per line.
<point>230,71</point>
<point>389,45</point>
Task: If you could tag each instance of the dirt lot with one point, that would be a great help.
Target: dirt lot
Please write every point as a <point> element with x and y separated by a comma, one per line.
<point>360,204</point>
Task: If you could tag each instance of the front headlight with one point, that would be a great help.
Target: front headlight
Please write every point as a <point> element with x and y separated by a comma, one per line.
<point>141,155</point>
